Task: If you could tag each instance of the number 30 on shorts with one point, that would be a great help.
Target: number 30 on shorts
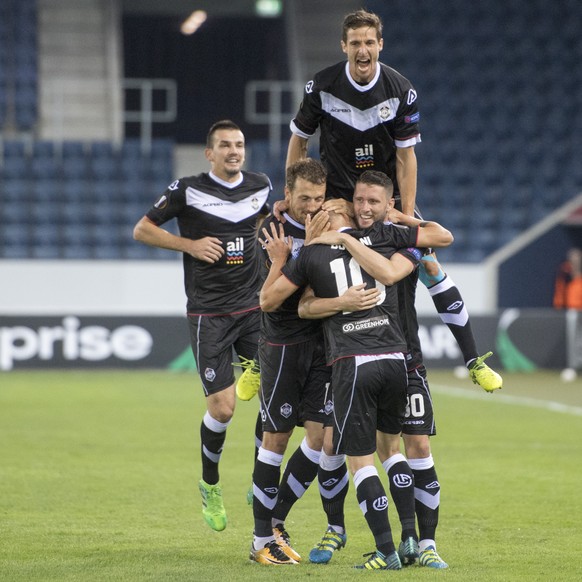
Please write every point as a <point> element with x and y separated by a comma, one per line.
<point>414,406</point>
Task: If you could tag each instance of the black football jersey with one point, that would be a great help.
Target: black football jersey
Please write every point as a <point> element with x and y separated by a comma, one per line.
<point>361,125</point>
<point>284,326</point>
<point>331,270</point>
<point>204,206</point>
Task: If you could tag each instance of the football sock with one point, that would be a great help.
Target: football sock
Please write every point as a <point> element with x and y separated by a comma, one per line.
<point>334,482</point>
<point>258,434</point>
<point>265,489</point>
<point>300,471</point>
<point>374,505</point>
<point>212,436</point>
<point>402,491</point>
<point>427,493</point>
<point>452,311</point>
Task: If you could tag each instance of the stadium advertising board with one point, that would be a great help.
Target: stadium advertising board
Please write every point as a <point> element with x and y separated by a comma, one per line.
<point>522,340</point>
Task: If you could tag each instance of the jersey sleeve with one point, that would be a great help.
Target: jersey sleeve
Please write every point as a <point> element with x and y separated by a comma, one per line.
<point>400,236</point>
<point>295,269</point>
<point>413,254</point>
<point>407,121</point>
<point>169,204</point>
<point>307,120</point>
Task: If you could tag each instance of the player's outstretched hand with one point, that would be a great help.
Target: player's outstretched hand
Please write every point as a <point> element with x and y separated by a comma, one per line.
<point>277,245</point>
<point>340,206</point>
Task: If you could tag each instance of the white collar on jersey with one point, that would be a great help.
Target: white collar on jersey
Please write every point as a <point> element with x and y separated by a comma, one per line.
<point>293,221</point>
<point>229,185</point>
<point>362,88</point>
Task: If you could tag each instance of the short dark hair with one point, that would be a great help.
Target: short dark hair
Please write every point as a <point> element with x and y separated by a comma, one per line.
<point>376,178</point>
<point>309,169</point>
<point>361,18</point>
<point>222,124</point>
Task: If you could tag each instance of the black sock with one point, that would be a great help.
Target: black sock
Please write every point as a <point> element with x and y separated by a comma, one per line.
<point>333,488</point>
<point>211,444</point>
<point>402,492</point>
<point>374,505</point>
<point>452,311</point>
<point>427,494</point>
<point>258,434</point>
<point>299,473</point>
<point>265,490</point>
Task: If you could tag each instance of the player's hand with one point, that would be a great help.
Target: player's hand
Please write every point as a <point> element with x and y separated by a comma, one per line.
<point>329,237</point>
<point>316,225</point>
<point>208,249</point>
<point>277,245</point>
<point>278,208</point>
<point>340,206</point>
<point>358,298</point>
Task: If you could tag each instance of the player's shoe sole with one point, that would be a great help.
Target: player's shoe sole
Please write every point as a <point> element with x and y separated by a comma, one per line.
<point>408,551</point>
<point>250,380</point>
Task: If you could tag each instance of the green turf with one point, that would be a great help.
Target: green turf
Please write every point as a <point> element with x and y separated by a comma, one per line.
<point>98,474</point>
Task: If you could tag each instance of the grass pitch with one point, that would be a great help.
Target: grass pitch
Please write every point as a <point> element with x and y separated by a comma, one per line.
<point>99,471</point>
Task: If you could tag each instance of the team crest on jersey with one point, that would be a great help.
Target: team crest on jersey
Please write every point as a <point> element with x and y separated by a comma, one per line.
<point>384,112</point>
<point>286,410</point>
<point>255,203</point>
<point>210,374</point>
<point>365,156</point>
<point>235,251</point>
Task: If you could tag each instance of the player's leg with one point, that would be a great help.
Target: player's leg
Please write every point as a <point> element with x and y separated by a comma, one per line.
<point>453,312</point>
<point>334,482</point>
<point>358,385</point>
<point>279,402</point>
<point>392,401</point>
<point>315,408</point>
<point>213,358</point>
<point>419,426</point>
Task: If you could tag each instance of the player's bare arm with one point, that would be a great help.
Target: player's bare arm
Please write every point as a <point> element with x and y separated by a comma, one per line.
<point>406,174</point>
<point>297,150</point>
<point>430,233</point>
<point>355,298</point>
<point>208,249</point>
<point>382,269</point>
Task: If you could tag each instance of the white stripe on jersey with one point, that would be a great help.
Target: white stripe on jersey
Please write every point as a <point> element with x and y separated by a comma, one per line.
<point>362,120</point>
<point>235,211</point>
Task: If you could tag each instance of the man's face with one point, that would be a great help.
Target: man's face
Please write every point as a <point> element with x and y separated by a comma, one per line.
<point>363,51</point>
<point>371,203</point>
<point>227,154</point>
<point>305,198</point>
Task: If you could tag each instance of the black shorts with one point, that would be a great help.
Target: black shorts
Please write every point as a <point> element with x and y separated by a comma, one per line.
<point>369,394</point>
<point>295,385</point>
<point>213,338</point>
<point>419,411</point>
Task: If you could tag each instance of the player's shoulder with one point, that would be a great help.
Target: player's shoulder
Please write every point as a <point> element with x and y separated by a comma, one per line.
<point>328,76</point>
<point>394,76</point>
<point>258,179</point>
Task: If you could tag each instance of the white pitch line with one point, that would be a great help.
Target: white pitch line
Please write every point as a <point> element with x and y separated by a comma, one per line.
<point>507,399</point>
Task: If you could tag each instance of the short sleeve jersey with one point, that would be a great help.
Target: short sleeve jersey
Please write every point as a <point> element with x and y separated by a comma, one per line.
<point>284,326</point>
<point>361,125</point>
<point>331,270</point>
<point>207,206</point>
